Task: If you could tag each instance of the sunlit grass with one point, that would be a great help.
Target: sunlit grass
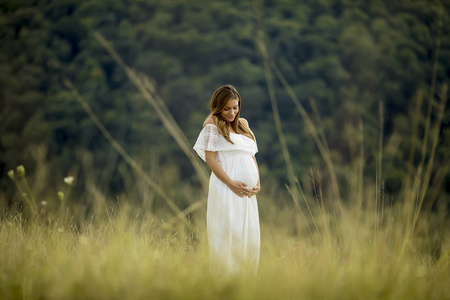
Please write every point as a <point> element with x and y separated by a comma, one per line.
<point>129,256</point>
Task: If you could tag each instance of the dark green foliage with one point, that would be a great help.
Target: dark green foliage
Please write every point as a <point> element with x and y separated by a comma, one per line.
<point>345,56</point>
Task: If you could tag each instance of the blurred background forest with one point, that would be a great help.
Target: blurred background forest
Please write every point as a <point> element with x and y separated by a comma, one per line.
<point>358,68</point>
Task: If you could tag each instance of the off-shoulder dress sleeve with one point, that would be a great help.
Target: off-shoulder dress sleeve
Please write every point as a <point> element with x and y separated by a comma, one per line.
<point>208,140</point>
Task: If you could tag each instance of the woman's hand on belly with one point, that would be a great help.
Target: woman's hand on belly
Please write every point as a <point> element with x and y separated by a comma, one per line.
<point>239,188</point>
<point>255,190</point>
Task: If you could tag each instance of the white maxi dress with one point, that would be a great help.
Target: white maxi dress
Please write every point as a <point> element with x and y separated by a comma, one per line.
<point>232,221</point>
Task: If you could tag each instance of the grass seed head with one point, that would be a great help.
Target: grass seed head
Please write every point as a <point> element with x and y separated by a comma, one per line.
<point>61,195</point>
<point>21,170</point>
<point>11,174</point>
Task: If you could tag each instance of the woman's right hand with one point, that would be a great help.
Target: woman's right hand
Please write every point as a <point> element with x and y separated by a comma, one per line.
<point>239,188</point>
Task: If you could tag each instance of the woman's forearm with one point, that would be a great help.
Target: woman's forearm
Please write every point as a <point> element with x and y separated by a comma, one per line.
<point>216,168</point>
<point>238,187</point>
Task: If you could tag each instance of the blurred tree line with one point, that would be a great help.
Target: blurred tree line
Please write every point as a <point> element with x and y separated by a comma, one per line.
<point>344,59</point>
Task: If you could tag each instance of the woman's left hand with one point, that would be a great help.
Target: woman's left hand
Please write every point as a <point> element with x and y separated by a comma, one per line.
<point>255,190</point>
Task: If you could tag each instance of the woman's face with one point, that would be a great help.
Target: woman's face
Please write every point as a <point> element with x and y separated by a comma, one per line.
<point>231,110</point>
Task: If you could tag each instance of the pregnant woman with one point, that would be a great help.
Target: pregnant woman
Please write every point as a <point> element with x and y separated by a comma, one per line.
<point>228,146</point>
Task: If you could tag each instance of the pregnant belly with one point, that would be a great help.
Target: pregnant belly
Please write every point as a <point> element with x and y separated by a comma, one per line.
<point>242,168</point>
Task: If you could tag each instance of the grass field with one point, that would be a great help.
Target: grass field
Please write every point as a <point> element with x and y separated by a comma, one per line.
<point>307,252</point>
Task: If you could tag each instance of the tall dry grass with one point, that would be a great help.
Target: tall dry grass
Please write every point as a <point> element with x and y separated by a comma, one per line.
<point>309,252</point>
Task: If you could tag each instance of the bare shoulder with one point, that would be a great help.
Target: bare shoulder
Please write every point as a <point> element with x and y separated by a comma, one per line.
<point>244,121</point>
<point>210,120</point>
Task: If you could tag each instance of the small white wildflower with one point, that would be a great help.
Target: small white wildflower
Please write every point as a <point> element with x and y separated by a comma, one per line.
<point>68,180</point>
<point>43,203</point>
<point>11,174</point>
<point>21,170</point>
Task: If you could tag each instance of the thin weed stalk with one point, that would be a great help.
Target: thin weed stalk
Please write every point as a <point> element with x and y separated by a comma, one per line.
<point>317,187</point>
<point>431,96</point>
<point>415,127</point>
<point>319,124</point>
<point>294,197</point>
<point>273,101</point>
<point>28,195</point>
<point>439,178</point>
<point>321,144</point>
<point>121,150</point>
<point>360,177</point>
<point>379,168</point>
<point>309,209</point>
<point>436,130</point>
<point>148,91</point>
<point>430,163</point>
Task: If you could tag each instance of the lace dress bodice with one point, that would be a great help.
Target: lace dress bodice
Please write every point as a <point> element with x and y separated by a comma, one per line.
<point>211,140</point>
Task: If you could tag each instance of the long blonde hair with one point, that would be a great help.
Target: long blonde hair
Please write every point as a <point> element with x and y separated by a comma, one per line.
<point>219,101</point>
